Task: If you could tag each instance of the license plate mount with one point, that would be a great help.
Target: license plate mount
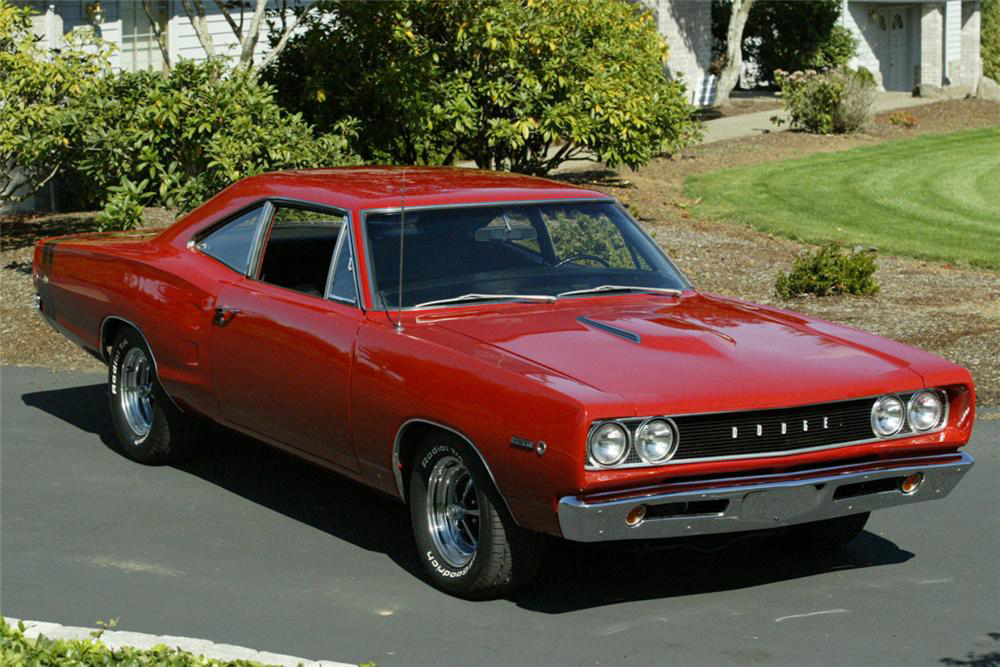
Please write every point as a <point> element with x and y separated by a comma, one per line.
<point>776,505</point>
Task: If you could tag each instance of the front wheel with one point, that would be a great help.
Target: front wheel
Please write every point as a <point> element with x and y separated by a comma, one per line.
<point>150,428</point>
<point>467,542</point>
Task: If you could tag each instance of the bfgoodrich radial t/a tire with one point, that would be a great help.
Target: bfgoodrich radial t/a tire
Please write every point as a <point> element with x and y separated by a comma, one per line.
<point>150,428</point>
<point>466,540</point>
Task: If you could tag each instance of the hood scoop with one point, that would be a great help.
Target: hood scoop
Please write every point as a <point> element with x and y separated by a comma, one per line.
<point>613,330</point>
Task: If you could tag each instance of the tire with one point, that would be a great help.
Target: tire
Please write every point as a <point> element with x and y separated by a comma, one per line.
<point>829,533</point>
<point>476,551</point>
<point>150,428</point>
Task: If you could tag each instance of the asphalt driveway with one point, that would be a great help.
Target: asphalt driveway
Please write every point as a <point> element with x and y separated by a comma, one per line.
<point>250,547</point>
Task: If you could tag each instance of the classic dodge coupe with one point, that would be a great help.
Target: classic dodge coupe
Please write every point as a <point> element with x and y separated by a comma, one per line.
<point>512,357</point>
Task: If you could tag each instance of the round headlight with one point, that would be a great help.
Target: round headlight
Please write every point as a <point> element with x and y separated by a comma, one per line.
<point>655,441</point>
<point>608,444</point>
<point>887,416</point>
<point>925,410</point>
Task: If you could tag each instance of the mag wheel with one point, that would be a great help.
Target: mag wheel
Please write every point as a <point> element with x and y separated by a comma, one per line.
<point>467,542</point>
<point>150,428</point>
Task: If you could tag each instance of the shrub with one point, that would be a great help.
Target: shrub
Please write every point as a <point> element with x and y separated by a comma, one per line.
<point>174,140</point>
<point>832,102</point>
<point>990,38</point>
<point>902,119</point>
<point>829,271</point>
<point>510,84</point>
<point>16,649</point>
<point>37,86</point>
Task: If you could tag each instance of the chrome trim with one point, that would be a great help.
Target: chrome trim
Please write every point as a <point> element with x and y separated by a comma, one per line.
<point>597,465</point>
<point>942,420</point>
<point>902,421</point>
<point>599,521</point>
<point>398,474</point>
<point>613,330</point>
<point>784,452</point>
<point>673,450</point>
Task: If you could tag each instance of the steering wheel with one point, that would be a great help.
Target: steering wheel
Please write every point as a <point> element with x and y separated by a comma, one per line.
<point>605,262</point>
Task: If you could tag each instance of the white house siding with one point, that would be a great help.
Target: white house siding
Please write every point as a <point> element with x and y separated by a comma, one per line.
<point>687,27</point>
<point>972,63</point>
<point>855,18</point>
<point>952,41</point>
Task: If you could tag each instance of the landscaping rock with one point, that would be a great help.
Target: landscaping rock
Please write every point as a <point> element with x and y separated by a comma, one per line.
<point>952,92</point>
<point>989,90</point>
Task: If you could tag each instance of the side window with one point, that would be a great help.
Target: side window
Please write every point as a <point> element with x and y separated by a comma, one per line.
<point>300,248</point>
<point>589,240</point>
<point>344,287</point>
<point>232,243</point>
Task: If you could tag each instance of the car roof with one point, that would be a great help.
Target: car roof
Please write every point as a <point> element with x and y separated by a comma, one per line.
<point>382,187</point>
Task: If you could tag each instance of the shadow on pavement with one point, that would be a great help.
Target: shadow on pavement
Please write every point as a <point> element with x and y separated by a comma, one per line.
<point>573,576</point>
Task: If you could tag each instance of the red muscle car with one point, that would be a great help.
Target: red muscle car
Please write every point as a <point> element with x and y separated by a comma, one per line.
<point>510,356</point>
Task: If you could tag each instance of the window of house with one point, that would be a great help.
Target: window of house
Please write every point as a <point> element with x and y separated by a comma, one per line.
<point>300,248</point>
<point>140,48</point>
<point>232,243</point>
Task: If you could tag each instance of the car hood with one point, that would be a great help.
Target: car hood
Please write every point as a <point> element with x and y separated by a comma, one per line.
<point>694,353</point>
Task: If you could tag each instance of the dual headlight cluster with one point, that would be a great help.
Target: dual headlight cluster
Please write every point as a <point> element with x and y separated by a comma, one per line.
<point>655,441</point>
<point>924,411</point>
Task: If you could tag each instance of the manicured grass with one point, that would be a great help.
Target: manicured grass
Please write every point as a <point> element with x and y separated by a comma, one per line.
<point>934,197</point>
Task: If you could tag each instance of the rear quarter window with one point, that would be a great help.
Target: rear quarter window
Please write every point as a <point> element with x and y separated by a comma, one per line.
<point>232,243</point>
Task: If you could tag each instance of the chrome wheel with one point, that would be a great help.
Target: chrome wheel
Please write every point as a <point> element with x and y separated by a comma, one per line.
<point>453,511</point>
<point>136,391</point>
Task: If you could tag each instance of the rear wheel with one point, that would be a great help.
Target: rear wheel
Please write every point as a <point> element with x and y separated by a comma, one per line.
<point>829,533</point>
<point>150,428</point>
<point>467,542</point>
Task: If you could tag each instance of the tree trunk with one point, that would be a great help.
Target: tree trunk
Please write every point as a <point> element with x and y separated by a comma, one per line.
<point>730,75</point>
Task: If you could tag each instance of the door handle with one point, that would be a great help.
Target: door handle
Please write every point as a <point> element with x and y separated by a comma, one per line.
<point>224,316</point>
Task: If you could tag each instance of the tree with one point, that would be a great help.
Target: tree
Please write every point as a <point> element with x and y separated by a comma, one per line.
<point>246,20</point>
<point>511,84</point>
<point>732,61</point>
<point>37,85</point>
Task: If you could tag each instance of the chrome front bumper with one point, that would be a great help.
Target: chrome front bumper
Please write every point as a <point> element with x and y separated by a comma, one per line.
<point>763,501</point>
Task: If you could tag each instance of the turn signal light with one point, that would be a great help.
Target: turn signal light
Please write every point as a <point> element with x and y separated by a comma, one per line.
<point>912,483</point>
<point>636,515</point>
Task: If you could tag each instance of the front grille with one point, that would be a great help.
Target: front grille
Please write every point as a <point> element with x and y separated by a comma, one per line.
<point>760,432</point>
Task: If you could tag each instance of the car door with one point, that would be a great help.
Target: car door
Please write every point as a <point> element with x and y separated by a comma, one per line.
<point>283,336</point>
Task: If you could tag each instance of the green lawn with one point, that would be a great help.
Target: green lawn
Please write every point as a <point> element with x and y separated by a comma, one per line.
<point>933,197</point>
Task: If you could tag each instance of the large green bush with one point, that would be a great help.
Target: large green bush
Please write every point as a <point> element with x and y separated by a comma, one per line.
<point>990,38</point>
<point>833,102</point>
<point>789,35</point>
<point>36,87</point>
<point>174,140</point>
<point>829,271</point>
<point>511,84</point>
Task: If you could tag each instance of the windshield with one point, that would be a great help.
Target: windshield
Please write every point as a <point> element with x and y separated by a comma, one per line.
<point>480,253</point>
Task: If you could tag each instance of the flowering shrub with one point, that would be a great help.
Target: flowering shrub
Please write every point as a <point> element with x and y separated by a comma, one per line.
<point>832,102</point>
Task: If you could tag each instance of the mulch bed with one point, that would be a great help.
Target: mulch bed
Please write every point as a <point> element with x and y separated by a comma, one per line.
<point>949,310</point>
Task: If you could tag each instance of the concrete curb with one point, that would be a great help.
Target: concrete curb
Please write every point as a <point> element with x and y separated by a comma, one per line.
<point>117,639</point>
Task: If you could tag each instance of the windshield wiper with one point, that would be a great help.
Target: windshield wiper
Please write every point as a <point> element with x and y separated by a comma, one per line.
<point>487,297</point>
<point>619,288</point>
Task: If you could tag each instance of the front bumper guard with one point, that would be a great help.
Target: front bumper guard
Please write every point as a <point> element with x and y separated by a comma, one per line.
<point>761,502</point>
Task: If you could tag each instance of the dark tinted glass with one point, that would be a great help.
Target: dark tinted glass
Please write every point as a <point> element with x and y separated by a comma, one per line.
<point>299,249</point>
<point>232,243</point>
<point>536,249</point>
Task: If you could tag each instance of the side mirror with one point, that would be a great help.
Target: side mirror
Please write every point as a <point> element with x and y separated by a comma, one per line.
<point>485,234</point>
